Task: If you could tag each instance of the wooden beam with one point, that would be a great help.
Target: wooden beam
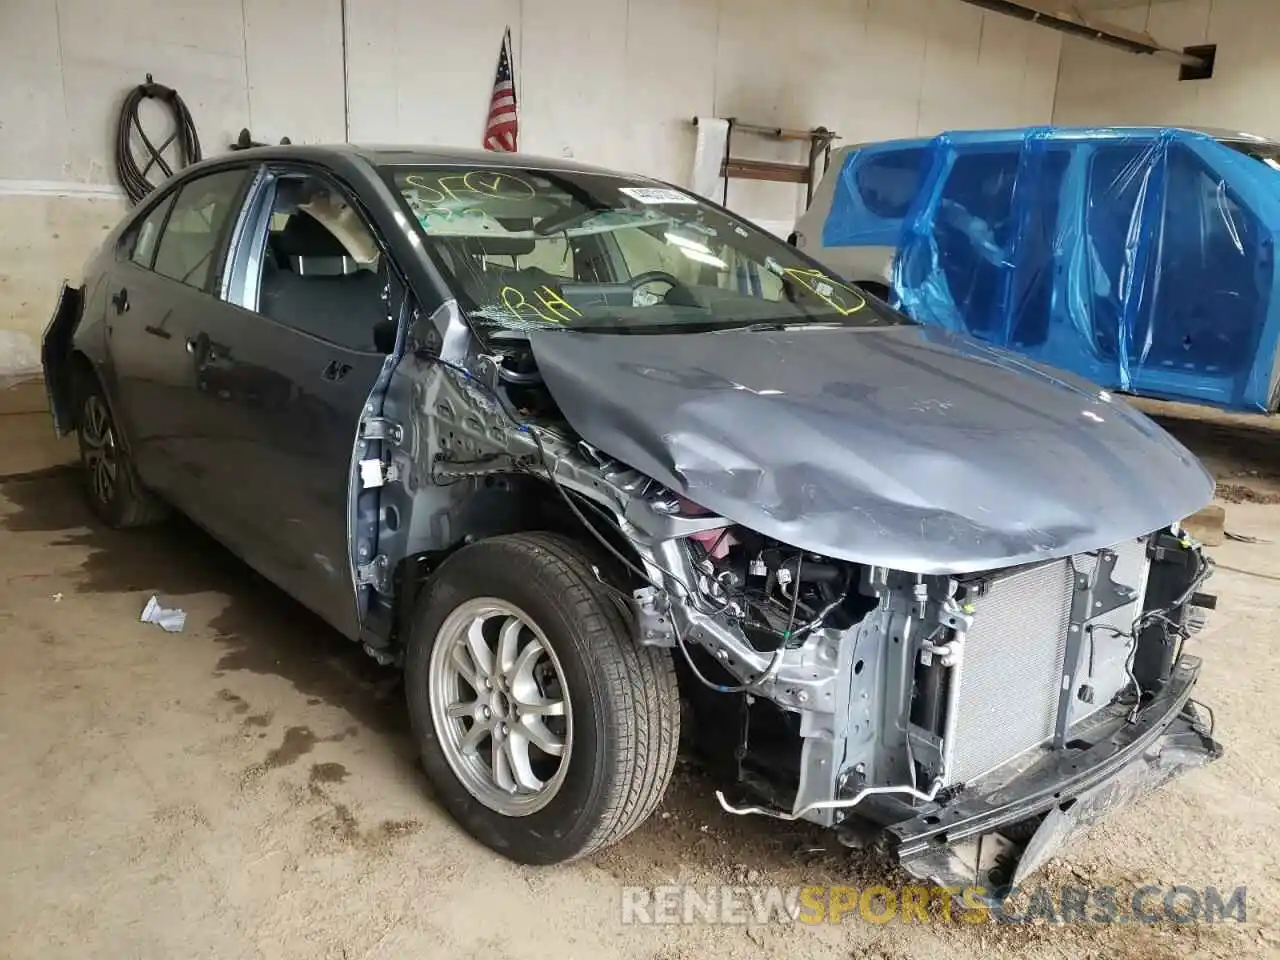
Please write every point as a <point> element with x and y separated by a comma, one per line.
<point>1062,16</point>
<point>765,170</point>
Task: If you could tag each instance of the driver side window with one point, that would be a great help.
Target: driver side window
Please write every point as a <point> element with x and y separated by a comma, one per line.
<point>322,271</point>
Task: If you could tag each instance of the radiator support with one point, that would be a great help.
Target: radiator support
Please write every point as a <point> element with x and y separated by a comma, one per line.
<point>1048,647</point>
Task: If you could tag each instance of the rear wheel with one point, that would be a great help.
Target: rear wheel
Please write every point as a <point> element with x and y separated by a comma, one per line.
<point>547,731</point>
<point>115,494</point>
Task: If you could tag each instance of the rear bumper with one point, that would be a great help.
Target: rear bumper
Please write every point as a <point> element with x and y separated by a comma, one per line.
<point>55,356</point>
<point>945,843</point>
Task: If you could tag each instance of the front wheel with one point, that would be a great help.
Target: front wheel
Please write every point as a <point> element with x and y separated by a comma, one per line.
<point>547,731</point>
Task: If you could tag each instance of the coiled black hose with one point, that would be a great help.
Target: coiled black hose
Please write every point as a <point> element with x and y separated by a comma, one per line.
<point>133,179</point>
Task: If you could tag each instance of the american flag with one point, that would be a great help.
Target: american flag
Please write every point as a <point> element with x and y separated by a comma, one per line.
<point>504,124</point>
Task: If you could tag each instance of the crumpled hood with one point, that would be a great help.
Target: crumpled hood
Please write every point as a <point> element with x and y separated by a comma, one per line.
<point>905,447</point>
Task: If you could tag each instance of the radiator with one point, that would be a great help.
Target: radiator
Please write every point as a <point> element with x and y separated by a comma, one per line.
<point>1014,656</point>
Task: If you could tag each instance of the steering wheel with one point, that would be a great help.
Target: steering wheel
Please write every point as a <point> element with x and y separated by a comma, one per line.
<point>685,297</point>
<point>653,276</point>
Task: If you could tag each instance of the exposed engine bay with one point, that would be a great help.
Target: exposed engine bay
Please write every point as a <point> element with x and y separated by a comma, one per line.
<point>850,693</point>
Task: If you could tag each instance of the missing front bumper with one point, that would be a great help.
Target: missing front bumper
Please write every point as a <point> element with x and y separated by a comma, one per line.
<point>982,840</point>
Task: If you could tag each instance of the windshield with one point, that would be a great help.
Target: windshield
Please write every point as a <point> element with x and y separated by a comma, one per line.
<point>535,249</point>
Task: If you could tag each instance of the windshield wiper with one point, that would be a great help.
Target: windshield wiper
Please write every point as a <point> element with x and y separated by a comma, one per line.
<point>767,326</point>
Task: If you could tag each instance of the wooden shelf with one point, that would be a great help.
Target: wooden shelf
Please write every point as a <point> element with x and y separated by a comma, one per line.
<point>765,170</point>
<point>807,174</point>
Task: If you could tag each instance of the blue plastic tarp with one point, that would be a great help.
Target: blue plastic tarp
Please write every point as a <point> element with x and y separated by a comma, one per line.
<point>1143,260</point>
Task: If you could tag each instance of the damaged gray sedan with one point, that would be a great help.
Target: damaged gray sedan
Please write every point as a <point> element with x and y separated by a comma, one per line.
<point>593,459</point>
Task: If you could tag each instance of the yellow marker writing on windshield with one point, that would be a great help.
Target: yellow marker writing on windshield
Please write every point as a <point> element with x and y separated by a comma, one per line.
<point>839,297</point>
<point>551,307</point>
<point>557,304</point>
<point>490,183</point>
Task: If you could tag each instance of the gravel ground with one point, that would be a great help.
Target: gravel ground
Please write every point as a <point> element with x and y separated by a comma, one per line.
<point>247,788</point>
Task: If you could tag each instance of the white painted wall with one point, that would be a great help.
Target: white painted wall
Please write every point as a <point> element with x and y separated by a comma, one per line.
<point>1098,85</point>
<point>274,66</point>
<point>619,86</point>
<point>608,81</point>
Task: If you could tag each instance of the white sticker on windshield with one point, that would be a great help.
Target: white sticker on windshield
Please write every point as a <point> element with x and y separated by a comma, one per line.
<point>656,195</point>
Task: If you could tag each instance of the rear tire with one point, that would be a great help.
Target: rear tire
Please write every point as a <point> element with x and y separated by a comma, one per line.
<point>608,705</point>
<point>115,494</point>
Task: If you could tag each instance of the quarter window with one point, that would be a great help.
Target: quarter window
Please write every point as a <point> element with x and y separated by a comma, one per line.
<point>188,248</point>
<point>145,234</point>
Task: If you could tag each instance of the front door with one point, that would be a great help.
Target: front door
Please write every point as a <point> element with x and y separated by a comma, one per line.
<point>288,374</point>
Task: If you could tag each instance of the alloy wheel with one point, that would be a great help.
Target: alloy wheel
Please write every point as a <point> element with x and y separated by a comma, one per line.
<point>500,706</point>
<point>101,455</point>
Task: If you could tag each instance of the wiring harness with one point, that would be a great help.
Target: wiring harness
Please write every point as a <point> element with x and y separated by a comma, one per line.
<point>133,179</point>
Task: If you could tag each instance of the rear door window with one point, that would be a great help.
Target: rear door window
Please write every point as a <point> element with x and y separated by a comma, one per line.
<point>889,182</point>
<point>192,240</point>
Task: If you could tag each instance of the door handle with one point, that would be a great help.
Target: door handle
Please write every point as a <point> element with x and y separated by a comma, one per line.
<point>205,350</point>
<point>160,332</point>
<point>120,300</point>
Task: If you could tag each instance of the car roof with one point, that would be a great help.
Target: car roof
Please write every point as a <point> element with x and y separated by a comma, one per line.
<point>411,155</point>
<point>1069,133</point>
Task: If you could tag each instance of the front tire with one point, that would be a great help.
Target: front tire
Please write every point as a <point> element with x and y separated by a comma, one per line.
<point>547,731</point>
<point>114,492</point>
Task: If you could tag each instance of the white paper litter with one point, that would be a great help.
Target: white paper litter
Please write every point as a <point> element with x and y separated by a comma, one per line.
<point>171,620</point>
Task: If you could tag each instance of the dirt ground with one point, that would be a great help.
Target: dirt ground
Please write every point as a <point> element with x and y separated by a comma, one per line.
<point>247,788</point>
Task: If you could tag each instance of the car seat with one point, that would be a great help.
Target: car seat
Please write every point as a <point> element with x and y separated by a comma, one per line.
<point>310,283</point>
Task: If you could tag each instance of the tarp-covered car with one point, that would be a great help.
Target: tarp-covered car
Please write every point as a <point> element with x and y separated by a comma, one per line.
<point>1142,259</point>
<point>570,446</point>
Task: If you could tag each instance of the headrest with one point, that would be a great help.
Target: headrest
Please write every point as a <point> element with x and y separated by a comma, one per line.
<point>305,236</point>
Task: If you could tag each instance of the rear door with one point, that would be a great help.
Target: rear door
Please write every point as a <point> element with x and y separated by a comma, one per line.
<point>305,337</point>
<point>142,379</point>
<point>164,282</point>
